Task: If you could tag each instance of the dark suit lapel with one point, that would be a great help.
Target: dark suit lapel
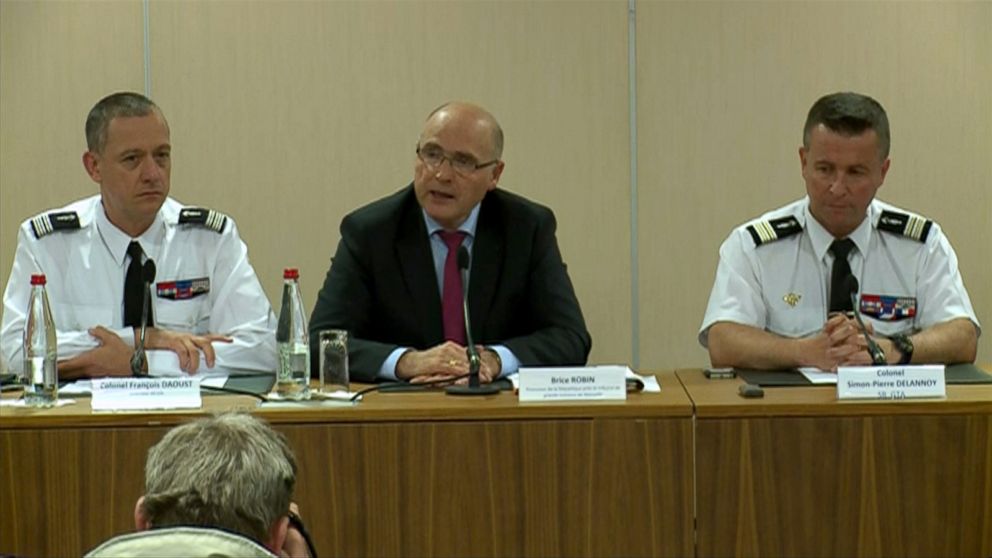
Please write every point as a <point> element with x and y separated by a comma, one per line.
<point>487,263</point>
<point>413,252</point>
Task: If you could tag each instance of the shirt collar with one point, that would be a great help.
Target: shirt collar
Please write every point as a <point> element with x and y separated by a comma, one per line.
<point>467,226</point>
<point>117,240</point>
<point>822,239</point>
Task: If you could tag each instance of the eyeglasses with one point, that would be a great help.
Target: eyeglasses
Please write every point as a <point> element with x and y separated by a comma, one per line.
<point>433,156</point>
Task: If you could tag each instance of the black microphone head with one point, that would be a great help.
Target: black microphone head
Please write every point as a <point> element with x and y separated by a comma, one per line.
<point>462,257</point>
<point>148,271</point>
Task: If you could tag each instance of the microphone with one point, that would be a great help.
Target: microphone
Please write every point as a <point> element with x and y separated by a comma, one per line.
<point>474,360</point>
<point>877,356</point>
<point>138,358</point>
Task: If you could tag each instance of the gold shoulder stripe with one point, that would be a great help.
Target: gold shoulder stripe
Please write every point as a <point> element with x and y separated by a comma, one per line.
<point>763,232</point>
<point>905,224</point>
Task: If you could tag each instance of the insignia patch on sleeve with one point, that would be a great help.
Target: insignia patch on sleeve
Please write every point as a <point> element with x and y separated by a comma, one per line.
<point>764,232</point>
<point>213,220</point>
<point>911,226</point>
<point>48,223</point>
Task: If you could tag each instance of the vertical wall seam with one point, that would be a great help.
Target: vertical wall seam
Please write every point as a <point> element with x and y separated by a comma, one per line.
<point>635,314</point>
<point>147,49</point>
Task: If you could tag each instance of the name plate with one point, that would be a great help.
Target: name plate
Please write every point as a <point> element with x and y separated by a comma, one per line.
<point>890,382</point>
<point>600,383</point>
<point>140,394</point>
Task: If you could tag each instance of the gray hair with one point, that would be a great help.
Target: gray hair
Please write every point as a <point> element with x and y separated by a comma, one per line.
<point>126,104</point>
<point>849,114</point>
<point>231,471</point>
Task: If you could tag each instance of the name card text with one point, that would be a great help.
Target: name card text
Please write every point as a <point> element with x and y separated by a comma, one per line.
<point>890,382</point>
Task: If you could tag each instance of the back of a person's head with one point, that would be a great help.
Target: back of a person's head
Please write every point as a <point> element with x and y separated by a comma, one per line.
<point>231,472</point>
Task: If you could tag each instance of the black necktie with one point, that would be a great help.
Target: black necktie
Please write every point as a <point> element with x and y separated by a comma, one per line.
<point>840,296</point>
<point>134,288</point>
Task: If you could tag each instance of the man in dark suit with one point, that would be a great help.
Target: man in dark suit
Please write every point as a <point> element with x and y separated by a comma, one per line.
<point>394,286</point>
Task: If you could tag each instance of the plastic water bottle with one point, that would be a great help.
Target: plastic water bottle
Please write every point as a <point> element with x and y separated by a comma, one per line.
<point>293,380</point>
<point>41,376</point>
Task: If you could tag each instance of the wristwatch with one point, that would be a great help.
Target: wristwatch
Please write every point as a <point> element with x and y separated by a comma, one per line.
<point>499,361</point>
<point>904,345</point>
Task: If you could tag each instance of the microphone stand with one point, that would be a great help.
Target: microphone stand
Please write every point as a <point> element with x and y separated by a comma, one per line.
<point>876,353</point>
<point>474,387</point>
<point>474,360</point>
<point>138,357</point>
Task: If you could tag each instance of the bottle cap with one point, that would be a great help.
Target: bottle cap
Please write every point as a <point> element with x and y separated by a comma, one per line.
<point>290,273</point>
<point>38,279</point>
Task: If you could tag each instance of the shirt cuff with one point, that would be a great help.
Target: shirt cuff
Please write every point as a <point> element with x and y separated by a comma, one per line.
<point>510,361</point>
<point>388,369</point>
<point>163,362</point>
<point>127,335</point>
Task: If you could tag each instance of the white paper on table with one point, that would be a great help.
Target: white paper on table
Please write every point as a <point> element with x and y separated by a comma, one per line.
<point>214,381</point>
<point>339,395</point>
<point>651,384</point>
<point>817,376</point>
<point>340,398</point>
<point>79,387</point>
<point>21,403</point>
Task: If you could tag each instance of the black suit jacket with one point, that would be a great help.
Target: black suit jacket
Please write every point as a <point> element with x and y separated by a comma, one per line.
<point>382,287</point>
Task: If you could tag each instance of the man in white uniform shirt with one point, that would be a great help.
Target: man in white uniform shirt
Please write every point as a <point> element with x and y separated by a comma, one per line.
<point>781,298</point>
<point>206,302</point>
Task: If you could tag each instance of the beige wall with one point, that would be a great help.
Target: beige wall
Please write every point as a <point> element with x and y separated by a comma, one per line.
<point>56,60</point>
<point>287,115</point>
<point>723,92</point>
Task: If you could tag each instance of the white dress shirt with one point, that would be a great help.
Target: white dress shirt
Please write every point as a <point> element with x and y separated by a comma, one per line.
<point>85,269</point>
<point>905,284</point>
<point>439,252</point>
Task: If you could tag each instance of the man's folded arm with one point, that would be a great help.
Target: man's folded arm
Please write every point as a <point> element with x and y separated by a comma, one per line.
<point>240,310</point>
<point>15,306</point>
<point>70,343</point>
<point>560,336</point>
<point>732,329</point>
<point>252,346</point>
<point>949,330</point>
<point>743,346</point>
<point>951,342</point>
<point>508,361</point>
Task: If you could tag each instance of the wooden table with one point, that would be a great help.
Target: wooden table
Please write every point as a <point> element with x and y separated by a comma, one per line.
<point>798,473</point>
<point>412,474</point>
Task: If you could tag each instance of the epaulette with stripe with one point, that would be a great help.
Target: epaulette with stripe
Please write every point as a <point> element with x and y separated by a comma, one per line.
<point>48,223</point>
<point>764,232</point>
<point>910,226</point>
<point>213,220</point>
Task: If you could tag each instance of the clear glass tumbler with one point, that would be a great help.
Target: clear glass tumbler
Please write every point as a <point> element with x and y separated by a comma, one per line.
<point>333,360</point>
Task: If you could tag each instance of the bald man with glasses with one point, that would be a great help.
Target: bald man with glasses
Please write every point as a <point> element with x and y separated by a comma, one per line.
<point>394,283</point>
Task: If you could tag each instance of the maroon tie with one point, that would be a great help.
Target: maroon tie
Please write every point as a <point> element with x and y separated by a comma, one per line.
<point>451,296</point>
